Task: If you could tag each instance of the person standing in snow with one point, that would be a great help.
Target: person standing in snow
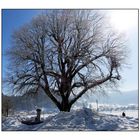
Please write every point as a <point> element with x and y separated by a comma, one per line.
<point>123,114</point>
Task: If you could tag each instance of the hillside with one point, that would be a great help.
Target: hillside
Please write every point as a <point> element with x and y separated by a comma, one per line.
<point>113,101</point>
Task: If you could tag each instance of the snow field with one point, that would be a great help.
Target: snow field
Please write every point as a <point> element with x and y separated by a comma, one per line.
<point>77,120</point>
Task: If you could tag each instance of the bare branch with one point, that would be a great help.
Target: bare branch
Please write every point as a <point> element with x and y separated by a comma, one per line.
<point>63,51</point>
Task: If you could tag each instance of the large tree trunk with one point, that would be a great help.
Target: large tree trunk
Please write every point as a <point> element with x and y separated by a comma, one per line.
<point>65,105</point>
<point>65,108</point>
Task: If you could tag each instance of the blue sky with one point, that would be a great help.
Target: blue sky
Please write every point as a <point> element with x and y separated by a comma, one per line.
<point>13,19</point>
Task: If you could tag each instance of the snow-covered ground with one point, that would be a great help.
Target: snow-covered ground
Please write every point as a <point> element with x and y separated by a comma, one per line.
<point>84,119</point>
<point>131,110</point>
<point>129,113</point>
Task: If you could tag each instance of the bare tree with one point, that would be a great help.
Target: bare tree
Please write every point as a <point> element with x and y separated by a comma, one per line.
<point>6,105</point>
<point>66,53</point>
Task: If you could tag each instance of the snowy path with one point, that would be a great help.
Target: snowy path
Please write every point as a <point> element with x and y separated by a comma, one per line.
<point>79,120</point>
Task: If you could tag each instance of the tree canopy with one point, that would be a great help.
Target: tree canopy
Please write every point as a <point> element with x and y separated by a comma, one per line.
<point>65,53</point>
